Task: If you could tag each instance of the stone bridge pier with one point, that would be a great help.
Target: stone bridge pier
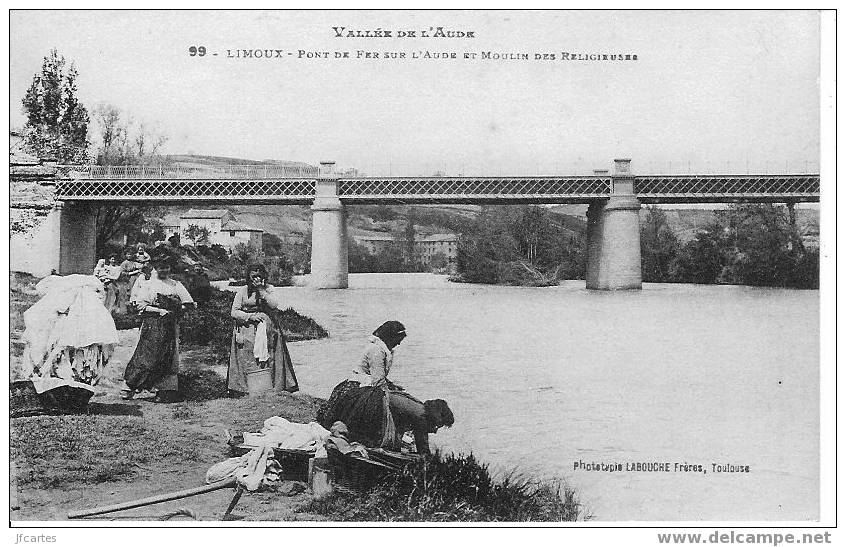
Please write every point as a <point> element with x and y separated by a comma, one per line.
<point>613,235</point>
<point>329,265</point>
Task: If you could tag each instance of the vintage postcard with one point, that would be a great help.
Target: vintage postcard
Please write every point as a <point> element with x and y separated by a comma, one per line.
<point>480,267</point>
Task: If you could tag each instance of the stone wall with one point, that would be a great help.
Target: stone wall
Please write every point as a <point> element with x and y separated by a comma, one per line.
<point>33,220</point>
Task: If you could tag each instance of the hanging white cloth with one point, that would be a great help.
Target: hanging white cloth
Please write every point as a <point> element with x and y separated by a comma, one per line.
<point>260,351</point>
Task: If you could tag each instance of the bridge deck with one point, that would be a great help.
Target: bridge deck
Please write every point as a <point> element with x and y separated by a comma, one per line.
<point>567,189</point>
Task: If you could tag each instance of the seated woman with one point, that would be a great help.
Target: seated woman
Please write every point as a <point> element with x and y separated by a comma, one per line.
<point>378,412</point>
<point>255,308</point>
<point>155,363</point>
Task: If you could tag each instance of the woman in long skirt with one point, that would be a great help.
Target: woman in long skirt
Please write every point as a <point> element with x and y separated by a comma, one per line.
<point>376,411</point>
<point>155,363</point>
<point>258,341</point>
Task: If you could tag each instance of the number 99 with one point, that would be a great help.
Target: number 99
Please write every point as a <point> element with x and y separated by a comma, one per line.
<point>194,51</point>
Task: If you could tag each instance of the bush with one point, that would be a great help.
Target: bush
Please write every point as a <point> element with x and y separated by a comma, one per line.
<point>300,327</point>
<point>210,325</point>
<point>452,488</point>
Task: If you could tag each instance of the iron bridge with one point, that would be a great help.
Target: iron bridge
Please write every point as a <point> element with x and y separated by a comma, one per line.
<point>291,188</point>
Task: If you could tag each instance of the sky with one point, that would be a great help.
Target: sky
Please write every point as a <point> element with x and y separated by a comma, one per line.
<point>710,91</point>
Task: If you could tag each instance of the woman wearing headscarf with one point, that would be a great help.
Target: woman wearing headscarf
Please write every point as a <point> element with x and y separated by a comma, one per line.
<point>377,411</point>
<point>258,341</point>
<point>155,363</point>
<point>379,356</point>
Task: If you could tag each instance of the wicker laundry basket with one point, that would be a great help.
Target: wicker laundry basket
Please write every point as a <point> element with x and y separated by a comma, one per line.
<point>356,473</point>
<point>25,401</point>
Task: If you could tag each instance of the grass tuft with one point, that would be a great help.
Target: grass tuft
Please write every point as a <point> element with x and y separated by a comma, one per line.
<point>453,488</point>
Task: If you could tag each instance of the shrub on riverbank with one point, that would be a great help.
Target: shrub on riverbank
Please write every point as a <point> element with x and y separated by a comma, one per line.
<point>453,488</point>
<point>210,325</point>
<point>523,245</point>
<point>745,244</point>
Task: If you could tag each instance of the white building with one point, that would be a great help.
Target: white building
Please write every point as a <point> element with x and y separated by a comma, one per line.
<point>224,229</point>
<point>427,247</point>
<point>445,244</point>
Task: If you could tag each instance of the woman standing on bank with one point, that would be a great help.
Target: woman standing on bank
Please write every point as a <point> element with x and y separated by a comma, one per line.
<point>258,341</point>
<point>155,363</point>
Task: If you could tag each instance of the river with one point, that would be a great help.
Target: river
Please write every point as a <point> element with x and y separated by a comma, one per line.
<point>542,378</point>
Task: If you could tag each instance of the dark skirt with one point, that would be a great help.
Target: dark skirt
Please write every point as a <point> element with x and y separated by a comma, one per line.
<point>364,410</point>
<point>155,353</point>
<point>241,358</point>
<point>155,363</point>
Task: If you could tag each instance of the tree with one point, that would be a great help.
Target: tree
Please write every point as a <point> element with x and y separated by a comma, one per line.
<point>110,220</point>
<point>118,146</point>
<point>763,238</point>
<point>147,142</point>
<point>702,260</point>
<point>659,247</point>
<point>122,141</point>
<point>136,223</point>
<point>536,235</point>
<point>409,250</point>
<point>114,136</point>
<point>360,258</point>
<point>199,235</point>
<point>247,254</point>
<point>56,122</point>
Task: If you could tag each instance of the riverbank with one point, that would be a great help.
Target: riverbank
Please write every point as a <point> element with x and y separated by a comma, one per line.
<point>121,451</point>
<point>124,450</point>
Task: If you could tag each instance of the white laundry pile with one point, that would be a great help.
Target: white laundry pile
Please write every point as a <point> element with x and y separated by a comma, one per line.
<point>281,433</point>
<point>252,471</point>
<point>69,333</point>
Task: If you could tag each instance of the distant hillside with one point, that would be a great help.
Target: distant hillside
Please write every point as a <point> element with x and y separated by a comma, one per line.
<point>293,222</point>
<point>196,160</point>
<point>686,222</point>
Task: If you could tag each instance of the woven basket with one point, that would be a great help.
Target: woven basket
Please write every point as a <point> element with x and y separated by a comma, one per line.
<point>24,401</point>
<point>392,458</point>
<point>67,399</point>
<point>355,473</point>
<point>294,462</point>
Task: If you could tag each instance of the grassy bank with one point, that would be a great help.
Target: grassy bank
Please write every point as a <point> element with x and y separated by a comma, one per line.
<point>449,488</point>
<point>122,451</point>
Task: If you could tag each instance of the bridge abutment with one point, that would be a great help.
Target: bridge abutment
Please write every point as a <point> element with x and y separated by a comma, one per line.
<point>329,266</point>
<point>77,231</point>
<point>613,237</point>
